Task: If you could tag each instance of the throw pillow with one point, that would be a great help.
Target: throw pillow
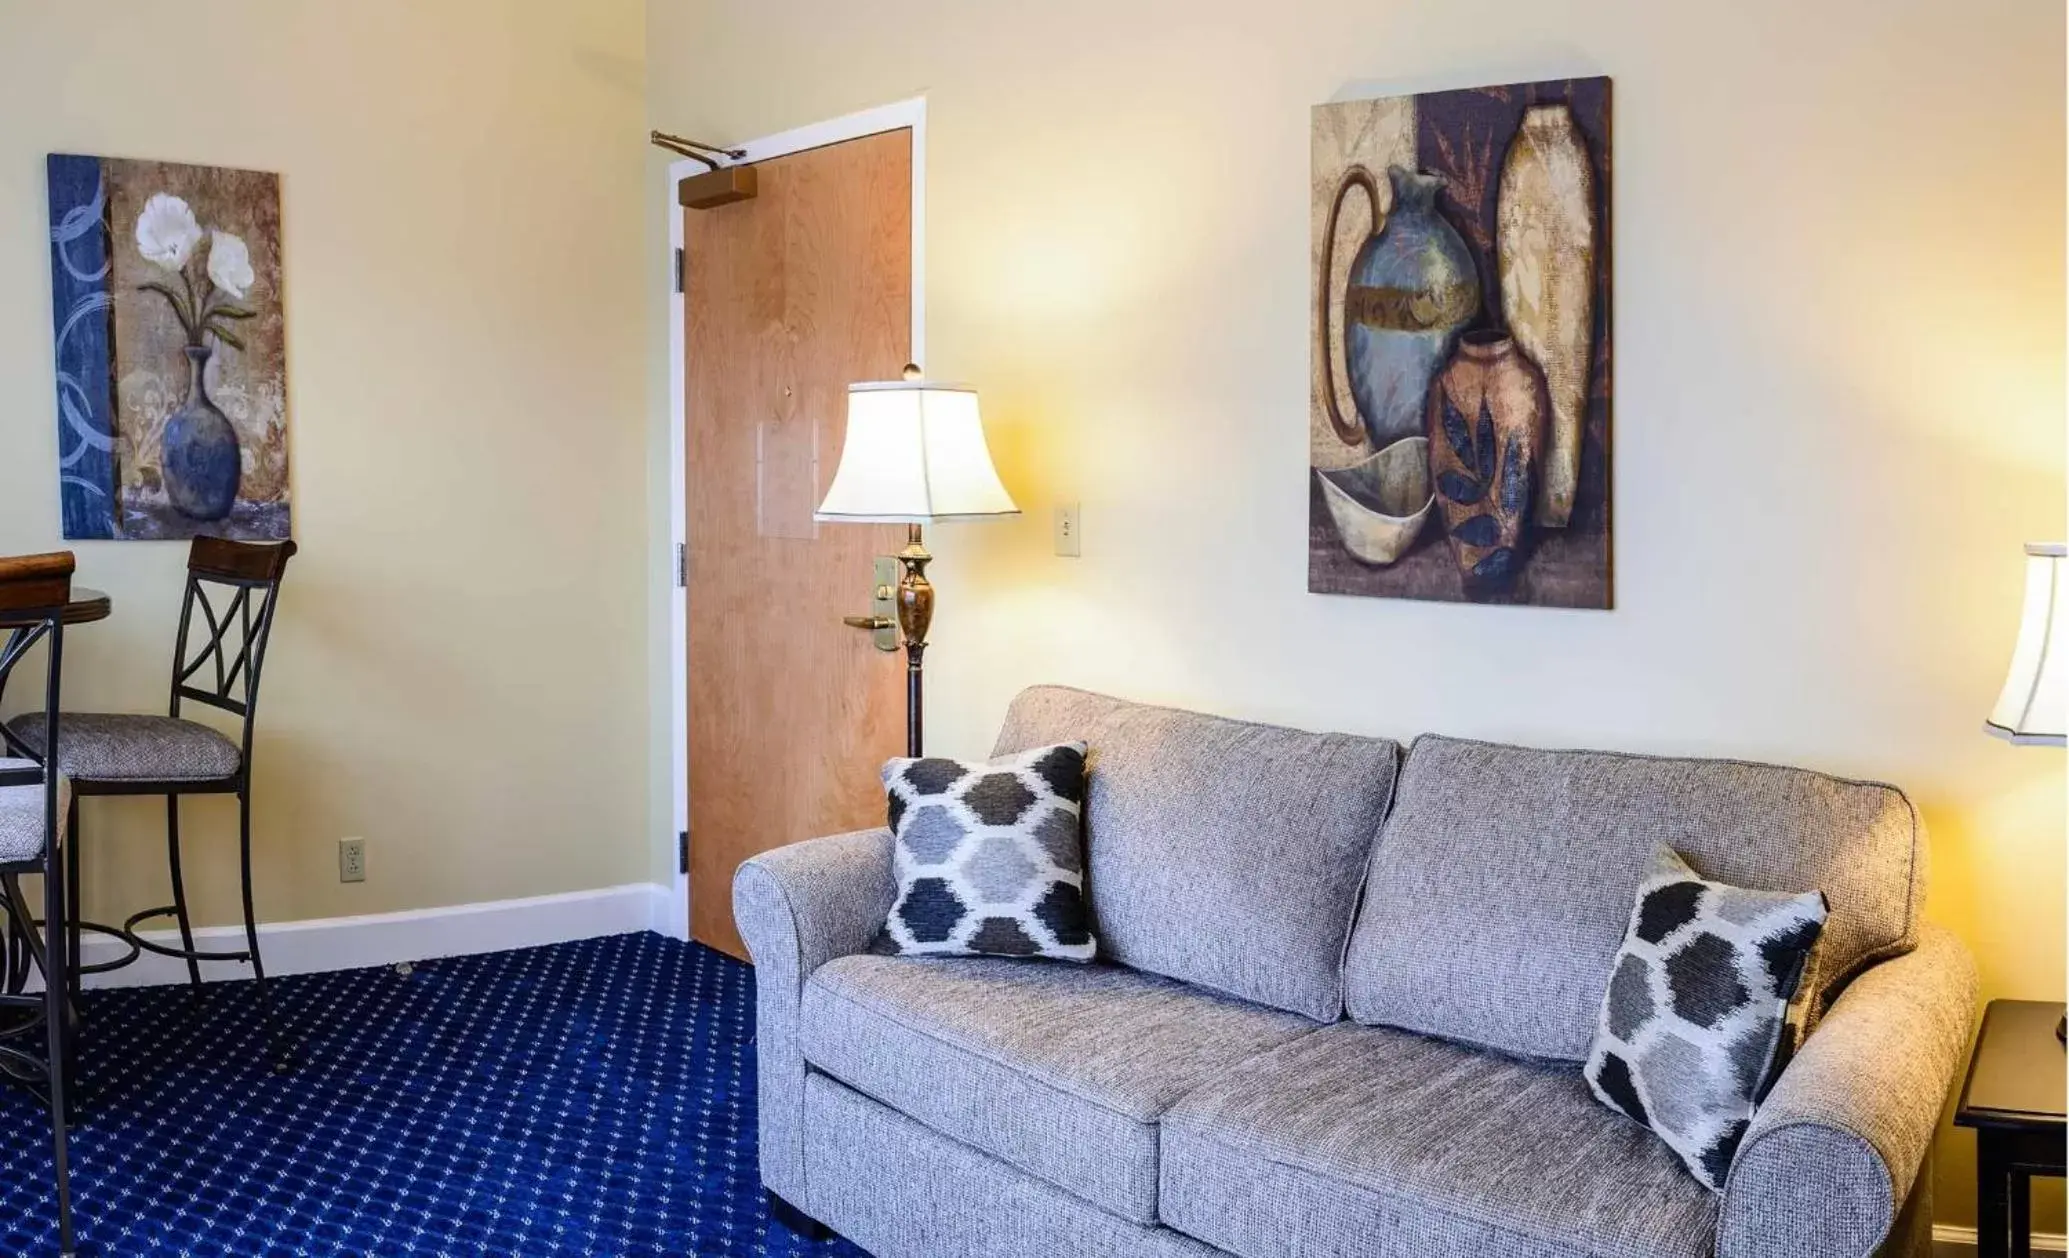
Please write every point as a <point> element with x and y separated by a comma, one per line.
<point>1692,1026</point>
<point>988,859</point>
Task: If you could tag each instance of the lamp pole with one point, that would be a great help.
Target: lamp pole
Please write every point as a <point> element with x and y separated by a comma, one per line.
<point>915,613</point>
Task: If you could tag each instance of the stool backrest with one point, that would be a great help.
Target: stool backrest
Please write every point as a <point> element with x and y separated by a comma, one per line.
<point>234,586</point>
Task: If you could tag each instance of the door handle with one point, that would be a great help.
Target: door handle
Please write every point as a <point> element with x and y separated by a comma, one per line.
<point>868,622</point>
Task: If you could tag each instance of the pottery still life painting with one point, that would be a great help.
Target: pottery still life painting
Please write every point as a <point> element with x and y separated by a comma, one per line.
<point>1459,423</point>
<point>171,350</point>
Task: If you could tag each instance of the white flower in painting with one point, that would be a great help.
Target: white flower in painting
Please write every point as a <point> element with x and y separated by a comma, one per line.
<point>229,264</point>
<point>166,232</point>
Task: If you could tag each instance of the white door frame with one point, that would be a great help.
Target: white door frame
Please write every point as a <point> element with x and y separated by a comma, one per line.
<point>898,115</point>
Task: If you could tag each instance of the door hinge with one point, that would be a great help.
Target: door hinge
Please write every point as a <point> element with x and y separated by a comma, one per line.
<point>682,852</point>
<point>682,566</point>
<point>678,270</point>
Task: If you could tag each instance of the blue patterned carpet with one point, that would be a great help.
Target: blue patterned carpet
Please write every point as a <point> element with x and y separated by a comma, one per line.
<point>587,1098</point>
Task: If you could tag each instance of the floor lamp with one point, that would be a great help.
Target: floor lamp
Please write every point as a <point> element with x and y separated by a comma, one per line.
<point>2033,708</point>
<point>914,454</point>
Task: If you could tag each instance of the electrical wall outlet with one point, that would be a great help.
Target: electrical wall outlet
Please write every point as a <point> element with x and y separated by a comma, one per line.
<point>1067,541</point>
<point>351,860</point>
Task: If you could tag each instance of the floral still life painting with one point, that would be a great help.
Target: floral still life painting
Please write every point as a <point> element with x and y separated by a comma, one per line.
<point>171,350</point>
<point>1459,414</point>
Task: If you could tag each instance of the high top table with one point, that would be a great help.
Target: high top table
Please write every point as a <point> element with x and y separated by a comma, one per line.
<point>85,607</point>
<point>2013,1100</point>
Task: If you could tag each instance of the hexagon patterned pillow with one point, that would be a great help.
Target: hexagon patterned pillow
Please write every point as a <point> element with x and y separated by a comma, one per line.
<point>1692,1028</point>
<point>988,858</point>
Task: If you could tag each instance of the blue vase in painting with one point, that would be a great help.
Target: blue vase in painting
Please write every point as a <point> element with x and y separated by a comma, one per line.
<point>1412,286</point>
<point>200,461</point>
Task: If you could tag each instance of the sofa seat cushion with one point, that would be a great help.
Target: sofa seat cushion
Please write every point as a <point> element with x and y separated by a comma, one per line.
<point>894,1186</point>
<point>1383,1144</point>
<point>1060,1070</point>
<point>1219,852</point>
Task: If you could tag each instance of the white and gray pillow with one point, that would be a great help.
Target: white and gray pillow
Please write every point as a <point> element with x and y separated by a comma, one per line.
<point>1695,1019</point>
<point>989,858</point>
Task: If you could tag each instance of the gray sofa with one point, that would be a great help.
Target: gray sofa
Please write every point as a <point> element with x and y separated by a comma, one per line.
<point>1344,995</point>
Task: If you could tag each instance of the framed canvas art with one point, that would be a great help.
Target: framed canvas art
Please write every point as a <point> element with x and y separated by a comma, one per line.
<point>171,350</point>
<point>1459,415</point>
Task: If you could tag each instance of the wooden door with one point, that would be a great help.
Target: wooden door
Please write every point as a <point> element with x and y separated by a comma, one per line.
<point>790,297</point>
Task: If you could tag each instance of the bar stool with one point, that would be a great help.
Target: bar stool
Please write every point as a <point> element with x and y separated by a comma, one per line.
<point>126,754</point>
<point>33,592</point>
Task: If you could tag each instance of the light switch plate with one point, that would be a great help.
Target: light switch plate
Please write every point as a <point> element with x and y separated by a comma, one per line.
<point>1068,541</point>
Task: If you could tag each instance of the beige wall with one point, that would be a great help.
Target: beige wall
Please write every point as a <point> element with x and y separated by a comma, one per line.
<point>1839,234</point>
<point>456,672</point>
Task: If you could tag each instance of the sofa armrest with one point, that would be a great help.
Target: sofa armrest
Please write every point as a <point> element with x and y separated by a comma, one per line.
<point>1834,1151</point>
<point>797,908</point>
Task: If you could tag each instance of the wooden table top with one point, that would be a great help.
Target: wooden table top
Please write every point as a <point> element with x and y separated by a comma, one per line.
<point>86,606</point>
<point>2016,1076</point>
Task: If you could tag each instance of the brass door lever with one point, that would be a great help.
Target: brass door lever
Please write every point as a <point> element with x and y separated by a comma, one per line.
<point>868,622</point>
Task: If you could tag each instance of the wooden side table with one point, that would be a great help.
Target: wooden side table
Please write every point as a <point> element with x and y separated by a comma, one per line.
<point>2013,1100</point>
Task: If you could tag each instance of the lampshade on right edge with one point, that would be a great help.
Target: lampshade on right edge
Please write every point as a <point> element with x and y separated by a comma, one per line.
<point>2034,706</point>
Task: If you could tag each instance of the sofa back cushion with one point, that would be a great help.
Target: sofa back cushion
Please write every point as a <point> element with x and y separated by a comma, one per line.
<point>1501,886</point>
<point>1219,852</point>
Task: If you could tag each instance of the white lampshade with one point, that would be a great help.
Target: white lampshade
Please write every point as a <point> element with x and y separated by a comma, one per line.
<point>2034,707</point>
<point>914,453</point>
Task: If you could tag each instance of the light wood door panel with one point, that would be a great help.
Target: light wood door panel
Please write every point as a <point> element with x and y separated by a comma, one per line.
<point>791,296</point>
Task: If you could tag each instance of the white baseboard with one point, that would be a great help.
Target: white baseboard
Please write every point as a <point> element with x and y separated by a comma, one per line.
<point>672,910</point>
<point>1950,1241</point>
<point>346,943</point>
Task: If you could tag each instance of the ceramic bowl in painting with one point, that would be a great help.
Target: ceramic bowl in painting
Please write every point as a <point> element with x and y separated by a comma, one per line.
<point>1381,504</point>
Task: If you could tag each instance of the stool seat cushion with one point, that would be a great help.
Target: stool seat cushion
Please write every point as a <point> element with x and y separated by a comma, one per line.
<point>123,747</point>
<point>22,834</point>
